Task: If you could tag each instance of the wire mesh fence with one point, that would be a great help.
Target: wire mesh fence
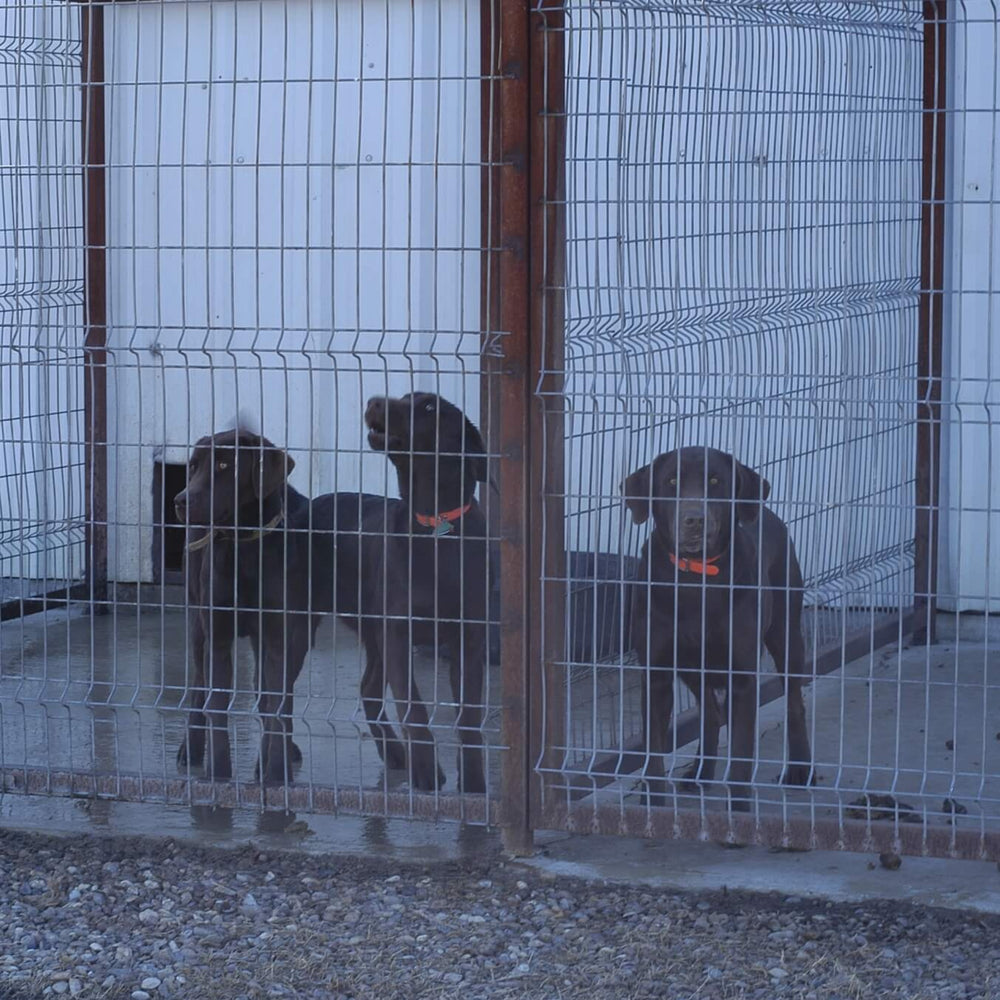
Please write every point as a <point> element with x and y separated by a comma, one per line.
<point>600,232</point>
<point>755,246</point>
<point>292,228</point>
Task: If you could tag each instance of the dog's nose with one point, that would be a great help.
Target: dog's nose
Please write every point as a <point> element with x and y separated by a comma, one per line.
<point>692,522</point>
<point>375,407</point>
<point>180,504</point>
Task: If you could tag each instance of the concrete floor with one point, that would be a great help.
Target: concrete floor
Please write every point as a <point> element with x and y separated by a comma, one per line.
<point>103,695</point>
<point>921,724</point>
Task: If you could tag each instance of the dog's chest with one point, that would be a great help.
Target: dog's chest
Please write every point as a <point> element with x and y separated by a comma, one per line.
<point>438,575</point>
<point>708,617</point>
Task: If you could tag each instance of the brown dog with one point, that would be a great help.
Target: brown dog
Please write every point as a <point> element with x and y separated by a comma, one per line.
<point>413,571</point>
<point>718,579</point>
<point>247,559</point>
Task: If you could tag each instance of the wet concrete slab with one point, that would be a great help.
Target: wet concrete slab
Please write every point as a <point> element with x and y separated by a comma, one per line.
<point>834,875</point>
<point>105,695</point>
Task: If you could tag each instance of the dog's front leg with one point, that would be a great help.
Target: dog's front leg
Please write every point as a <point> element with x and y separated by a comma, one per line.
<point>657,712</point>
<point>191,752</point>
<point>219,693</point>
<point>468,665</point>
<point>398,653</point>
<point>744,737</point>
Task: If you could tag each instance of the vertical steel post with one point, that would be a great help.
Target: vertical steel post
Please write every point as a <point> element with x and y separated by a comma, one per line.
<point>931,319</point>
<point>95,302</point>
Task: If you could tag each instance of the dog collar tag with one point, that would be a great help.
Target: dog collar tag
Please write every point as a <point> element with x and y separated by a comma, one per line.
<point>444,528</point>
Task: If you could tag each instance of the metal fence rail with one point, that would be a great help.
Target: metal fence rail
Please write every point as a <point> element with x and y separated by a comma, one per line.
<point>601,230</point>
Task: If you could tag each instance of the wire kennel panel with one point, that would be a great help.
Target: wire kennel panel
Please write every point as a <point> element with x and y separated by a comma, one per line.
<point>42,489</point>
<point>755,249</point>
<point>294,223</point>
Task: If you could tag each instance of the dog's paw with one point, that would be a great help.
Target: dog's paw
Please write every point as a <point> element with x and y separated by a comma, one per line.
<point>739,799</point>
<point>191,752</point>
<point>472,781</point>
<point>392,753</point>
<point>652,792</point>
<point>219,768</point>
<point>691,778</point>
<point>800,775</point>
<point>425,775</point>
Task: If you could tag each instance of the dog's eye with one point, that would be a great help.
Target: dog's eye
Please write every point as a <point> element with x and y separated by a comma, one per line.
<point>672,481</point>
<point>714,481</point>
<point>429,408</point>
<point>222,466</point>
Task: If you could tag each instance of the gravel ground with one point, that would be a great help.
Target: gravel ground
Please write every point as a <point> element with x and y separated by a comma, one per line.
<point>141,919</point>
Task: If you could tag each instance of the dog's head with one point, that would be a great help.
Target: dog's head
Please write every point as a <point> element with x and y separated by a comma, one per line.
<point>427,437</point>
<point>229,471</point>
<point>695,495</point>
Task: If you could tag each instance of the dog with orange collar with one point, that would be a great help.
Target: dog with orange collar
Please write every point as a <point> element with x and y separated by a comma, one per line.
<point>412,571</point>
<point>718,582</point>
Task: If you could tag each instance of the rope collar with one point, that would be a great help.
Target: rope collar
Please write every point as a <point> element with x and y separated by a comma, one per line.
<point>252,537</point>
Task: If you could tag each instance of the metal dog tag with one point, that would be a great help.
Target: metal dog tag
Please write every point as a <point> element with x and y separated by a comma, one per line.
<point>444,528</point>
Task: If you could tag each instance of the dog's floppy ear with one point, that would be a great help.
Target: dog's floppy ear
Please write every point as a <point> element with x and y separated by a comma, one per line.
<point>474,452</point>
<point>751,491</point>
<point>637,492</point>
<point>271,467</point>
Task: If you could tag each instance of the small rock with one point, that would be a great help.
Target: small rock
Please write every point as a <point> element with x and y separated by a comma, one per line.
<point>61,987</point>
<point>452,977</point>
<point>140,995</point>
<point>148,916</point>
<point>109,981</point>
<point>75,987</point>
<point>150,983</point>
<point>777,973</point>
<point>887,859</point>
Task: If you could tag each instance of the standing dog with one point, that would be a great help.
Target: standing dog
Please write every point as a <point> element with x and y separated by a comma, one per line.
<point>414,571</point>
<point>248,552</point>
<point>718,578</point>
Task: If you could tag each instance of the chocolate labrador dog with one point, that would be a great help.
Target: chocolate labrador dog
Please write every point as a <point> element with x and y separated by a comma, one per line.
<point>413,571</point>
<point>247,549</point>
<point>718,579</point>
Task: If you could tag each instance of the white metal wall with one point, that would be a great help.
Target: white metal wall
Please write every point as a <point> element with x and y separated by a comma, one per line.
<point>294,225</point>
<point>42,506</point>
<point>970,469</point>
<point>744,221</point>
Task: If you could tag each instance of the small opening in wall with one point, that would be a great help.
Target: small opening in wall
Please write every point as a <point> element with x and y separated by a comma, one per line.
<point>168,532</point>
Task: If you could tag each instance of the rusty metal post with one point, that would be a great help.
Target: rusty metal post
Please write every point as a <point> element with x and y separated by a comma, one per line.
<point>931,321</point>
<point>549,643</point>
<point>515,389</point>
<point>95,303</point>
<point>530,439</point>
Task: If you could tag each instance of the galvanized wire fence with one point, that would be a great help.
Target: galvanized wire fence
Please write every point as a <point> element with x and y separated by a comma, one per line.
<point>280,209</point>
<point>603,232</point>
<point>755,254</point>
